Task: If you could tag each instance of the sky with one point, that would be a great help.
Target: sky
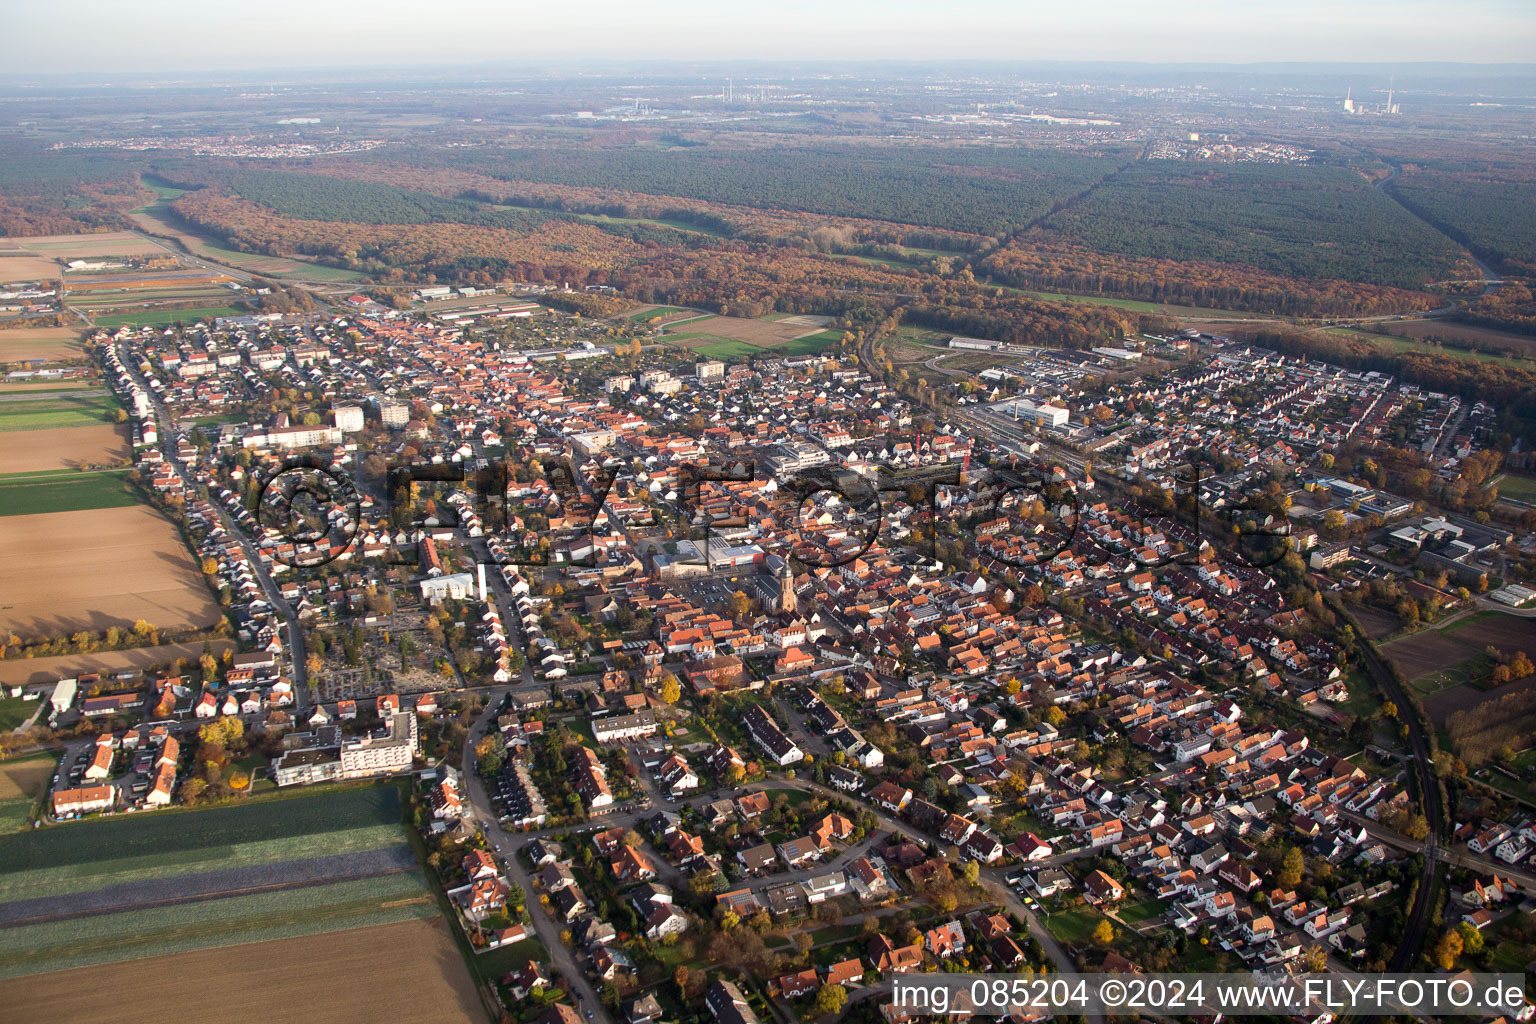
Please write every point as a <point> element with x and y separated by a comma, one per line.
<point>177,36</point>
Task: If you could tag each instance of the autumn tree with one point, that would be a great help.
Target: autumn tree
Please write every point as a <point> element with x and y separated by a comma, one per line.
<point>831,999</point>
<point>1291,868</point>
<point>670,691</point>
<point>1448,949</point>
<point>1104,932</point>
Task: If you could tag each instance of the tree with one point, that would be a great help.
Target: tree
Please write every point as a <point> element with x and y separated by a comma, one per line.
<point>222,732</point>
<point>1471,938</point>
<point>490,754</point>
<point>1055,716</point>
<point>1388,709</point>
<point>1315,959</point>
<point>1291,869</point>
<point>1104,933</point>
<point>741,605</point>
<point>210,566</point>
<point>831,999</point>
<point>1447,950</point>
<point>1417,827</point>
<point>670,691</point>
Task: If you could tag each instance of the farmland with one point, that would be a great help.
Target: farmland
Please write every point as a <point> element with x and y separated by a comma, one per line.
<point>26,268</point>
<point>1443,664</point>
<point>20,671</point>
<point>32,494</point>
<point>730,337</point>
<point>61,448</point>
<point>413,974</point>
<point>160,317</point>
<point>124,888</point>
<point>22,780</point>
<point>87,246</point>
<point>20,343</point>
<point>55,560</point>
<point>71,409</point>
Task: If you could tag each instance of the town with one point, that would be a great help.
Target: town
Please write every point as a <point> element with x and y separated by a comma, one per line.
<point>683,725</point>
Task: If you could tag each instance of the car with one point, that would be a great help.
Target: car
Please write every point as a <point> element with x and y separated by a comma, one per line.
<point>589,1015</point>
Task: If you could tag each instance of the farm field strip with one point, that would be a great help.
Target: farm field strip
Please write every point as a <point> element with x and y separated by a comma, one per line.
<point>71,879</point>
<point>210,885</point>
<point>54,560</point>
<point>95,244</point>
<point>20,671</point>
<point>37,412</point>
<point>413,973</point>
<point>25,456</point>
<point>160,317</point>
<point>156,931</point>
<point>95,844</point>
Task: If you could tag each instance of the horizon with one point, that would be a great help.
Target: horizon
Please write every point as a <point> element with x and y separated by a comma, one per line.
<point>107,39</point>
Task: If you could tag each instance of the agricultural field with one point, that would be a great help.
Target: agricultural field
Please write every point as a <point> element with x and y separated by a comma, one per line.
<point>123,888</point>
<point>1449,666</point>
<point>24,494</point>
<point>1467,333</point>
<point>1394,344</point>
<point>730,337</point>
<point>52,565</point>
<point>23,779</point>
<point>26,268</point>
<point>67,409</point>
<point>48,343</point>
<point>160,317</point>
<point>64,448</point>
<point>95,245</point>
<point>409,971</point>
<point>21,671</point>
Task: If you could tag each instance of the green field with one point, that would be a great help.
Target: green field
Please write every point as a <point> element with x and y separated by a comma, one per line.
<point>14,711</point>
<point>1390,343</point>
<point>31,772</point>
<point>103,846</point>
<point>729,348</point>
<point>647,314</point>
<point>92,855</point>
<point>160,317</point>
<point>1521,488</point>
<point>29,494</point>
<point>159,931</point>
<point>46,411</point>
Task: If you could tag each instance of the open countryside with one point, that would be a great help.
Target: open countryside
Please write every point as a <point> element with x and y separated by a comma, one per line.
<point>55,560</point>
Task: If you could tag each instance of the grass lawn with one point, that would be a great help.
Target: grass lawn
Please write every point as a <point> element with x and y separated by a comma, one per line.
<point>725,348</point>
<point>493,963</point>
<point>1074,925</point>
<point>652,313</point>
<point>72,494</point>
<point>160,317</point>
<point>1521,488</point>
<point>1136,913</point>
<point>47,411</point>
<point>14,711</point>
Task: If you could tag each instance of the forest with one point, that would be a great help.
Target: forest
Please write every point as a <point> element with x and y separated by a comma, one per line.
<point>44,192</point>
<point>1059,266</point>
<point>1301,221</point>
<point>982,190</point>
<point>1495,219</point>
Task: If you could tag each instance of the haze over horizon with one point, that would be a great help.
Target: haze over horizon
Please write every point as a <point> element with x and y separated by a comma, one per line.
<point>110,38</point>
